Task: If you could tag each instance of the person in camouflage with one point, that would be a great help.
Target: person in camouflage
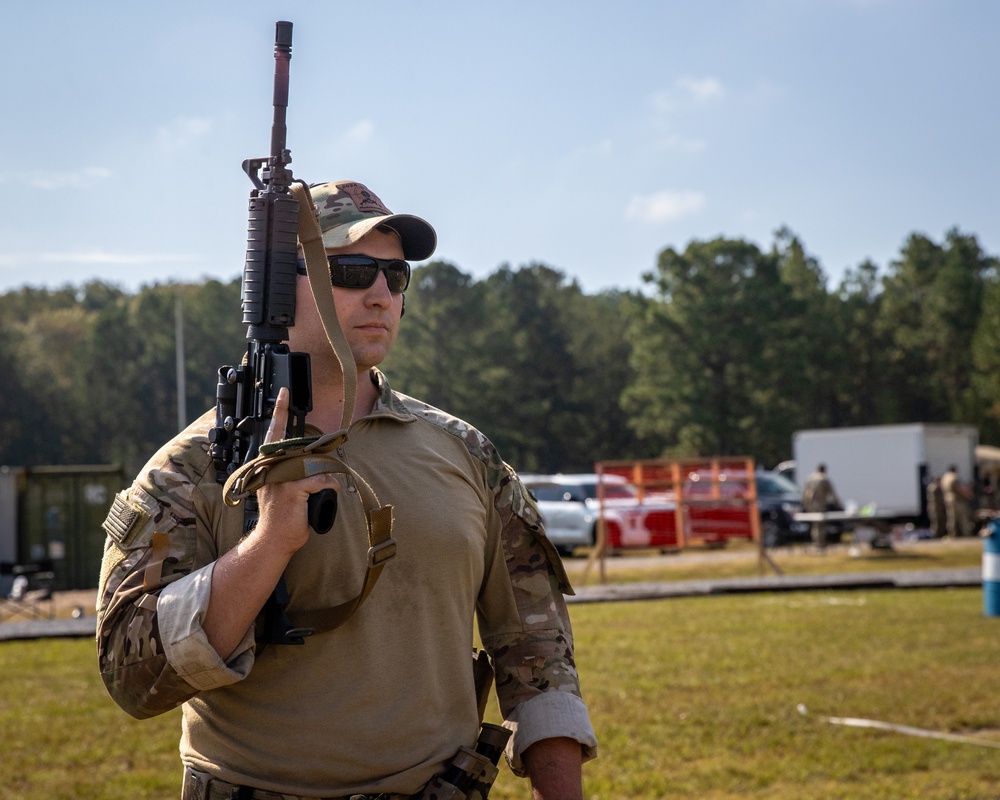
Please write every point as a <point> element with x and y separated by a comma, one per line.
<point>936,512</point>
<point>378,706</point>
<point>819,495</point>
<point>957,497</point>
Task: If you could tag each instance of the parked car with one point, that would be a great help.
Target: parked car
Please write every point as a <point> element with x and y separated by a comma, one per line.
<point>786,469</point>
<point>777,500</point>
<point>570,509</point>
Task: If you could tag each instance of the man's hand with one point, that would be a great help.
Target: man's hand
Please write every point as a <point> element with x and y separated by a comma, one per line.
<point>244,578</point>
<point>284,506</point>
<point>554,766</point>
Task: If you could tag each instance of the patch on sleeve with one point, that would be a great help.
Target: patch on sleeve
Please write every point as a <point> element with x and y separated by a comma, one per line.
<point>124,520</point>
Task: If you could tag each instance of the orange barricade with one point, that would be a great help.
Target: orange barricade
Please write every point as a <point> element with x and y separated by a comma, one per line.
<point>686,502</point>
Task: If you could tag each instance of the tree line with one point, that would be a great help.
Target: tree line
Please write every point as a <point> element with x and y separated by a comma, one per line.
<point>727,350</point>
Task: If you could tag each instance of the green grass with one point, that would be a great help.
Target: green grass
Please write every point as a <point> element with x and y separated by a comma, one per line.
<point>63,737</point>
<point>697,698</point>
<point>691,698</point>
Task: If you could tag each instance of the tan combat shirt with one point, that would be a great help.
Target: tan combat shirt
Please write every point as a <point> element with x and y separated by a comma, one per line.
<point>383,702</point>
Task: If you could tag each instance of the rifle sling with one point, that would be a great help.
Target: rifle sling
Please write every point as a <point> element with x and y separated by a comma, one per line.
<point>294,459</point>
<point>311,239</point>
<point>326,619</point>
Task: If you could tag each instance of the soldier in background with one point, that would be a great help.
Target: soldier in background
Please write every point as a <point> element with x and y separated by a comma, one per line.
<point>936,512</point>
<point>818,495</point>
<point>957,498</point>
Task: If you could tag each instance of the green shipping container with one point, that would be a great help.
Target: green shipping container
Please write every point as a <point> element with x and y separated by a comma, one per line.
<point>60,512</point>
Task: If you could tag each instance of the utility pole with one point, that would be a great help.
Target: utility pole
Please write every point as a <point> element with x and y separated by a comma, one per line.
<point>179,345</point>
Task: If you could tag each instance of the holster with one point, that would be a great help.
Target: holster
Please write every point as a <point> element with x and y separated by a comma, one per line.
<point>471,774</point>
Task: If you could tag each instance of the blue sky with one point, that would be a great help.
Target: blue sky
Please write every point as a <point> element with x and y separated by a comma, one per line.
<point>585,135</point>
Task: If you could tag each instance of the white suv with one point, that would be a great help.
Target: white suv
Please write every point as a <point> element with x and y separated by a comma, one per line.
<point>570,510</point>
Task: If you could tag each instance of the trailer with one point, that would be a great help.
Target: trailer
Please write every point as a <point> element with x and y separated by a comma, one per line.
<point>882,471</point>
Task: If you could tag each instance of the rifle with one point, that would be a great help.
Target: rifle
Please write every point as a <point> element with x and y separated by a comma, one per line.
<point>246,394</point>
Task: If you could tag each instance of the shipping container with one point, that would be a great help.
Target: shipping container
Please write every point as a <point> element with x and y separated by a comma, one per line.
<point>54,515</point>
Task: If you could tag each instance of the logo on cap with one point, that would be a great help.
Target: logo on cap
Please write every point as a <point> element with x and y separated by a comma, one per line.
<point>364,199</point>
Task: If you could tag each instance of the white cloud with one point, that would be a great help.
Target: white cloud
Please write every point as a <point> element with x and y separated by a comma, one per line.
<point>100,257</point>
<point>39,263</point>
<point>665,206</point>
<point>685,145</point>
<point>360,132</point>
<point>687,92</point>
<point>353,141</point>
<point>180,133</point>
<point>73,179</point>
<point>701,90</point>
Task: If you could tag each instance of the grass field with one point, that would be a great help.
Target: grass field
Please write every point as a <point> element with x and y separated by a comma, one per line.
<point>691,698</point>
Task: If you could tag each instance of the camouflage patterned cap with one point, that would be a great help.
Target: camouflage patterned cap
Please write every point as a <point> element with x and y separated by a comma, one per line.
<point>348,210</point>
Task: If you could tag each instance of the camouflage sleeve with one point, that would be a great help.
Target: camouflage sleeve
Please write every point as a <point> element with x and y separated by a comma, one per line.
<point>156,539</point>
<point>531,640</point>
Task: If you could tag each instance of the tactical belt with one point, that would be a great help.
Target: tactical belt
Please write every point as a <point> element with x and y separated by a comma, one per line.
<point>202,786</point>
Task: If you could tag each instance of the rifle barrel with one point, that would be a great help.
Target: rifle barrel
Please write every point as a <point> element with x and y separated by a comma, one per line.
<point>282,56</point>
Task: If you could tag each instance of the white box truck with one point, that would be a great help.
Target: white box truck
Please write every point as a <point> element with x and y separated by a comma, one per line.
<point>885,469</point>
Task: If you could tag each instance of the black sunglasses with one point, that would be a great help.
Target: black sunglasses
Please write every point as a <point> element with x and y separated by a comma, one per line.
<point>360,272</point>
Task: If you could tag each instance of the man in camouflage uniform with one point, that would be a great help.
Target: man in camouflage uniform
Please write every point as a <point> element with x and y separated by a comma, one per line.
<point>819,495</point>
<point>378,706</point>
<point>936,512</point>
<point>957,497</point>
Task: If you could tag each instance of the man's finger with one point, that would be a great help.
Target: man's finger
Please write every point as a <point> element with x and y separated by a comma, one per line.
<point>279,420</point>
